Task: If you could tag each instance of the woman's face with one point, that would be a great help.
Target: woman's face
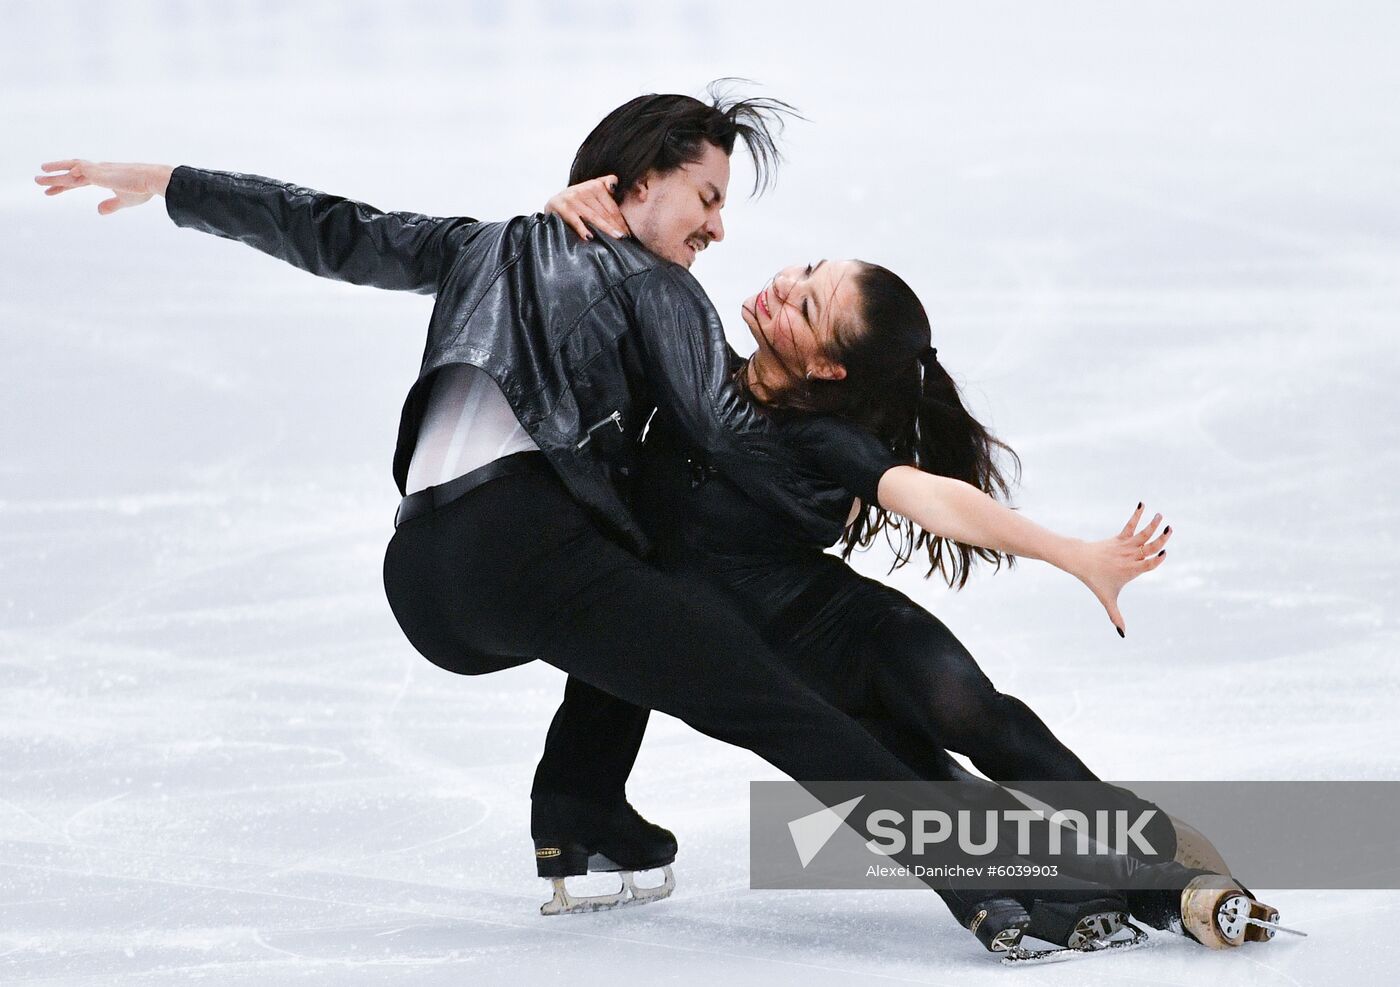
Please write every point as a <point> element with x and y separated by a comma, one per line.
<point>793,318</point>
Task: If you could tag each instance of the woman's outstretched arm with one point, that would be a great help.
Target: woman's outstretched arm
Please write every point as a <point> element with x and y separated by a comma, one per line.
<point>327,235</point>
<point>960,512</point>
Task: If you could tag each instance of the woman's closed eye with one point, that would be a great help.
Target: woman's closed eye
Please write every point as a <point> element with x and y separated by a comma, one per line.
<point>805,315</point>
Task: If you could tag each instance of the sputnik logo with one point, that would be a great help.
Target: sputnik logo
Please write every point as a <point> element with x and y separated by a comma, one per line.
<point>812,832</point>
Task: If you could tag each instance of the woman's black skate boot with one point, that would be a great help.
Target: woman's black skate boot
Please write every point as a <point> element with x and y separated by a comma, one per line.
<point>574,836</point>
<point>1075,920</point>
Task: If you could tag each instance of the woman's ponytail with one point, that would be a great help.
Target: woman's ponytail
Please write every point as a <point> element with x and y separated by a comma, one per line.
<point>950,442</point>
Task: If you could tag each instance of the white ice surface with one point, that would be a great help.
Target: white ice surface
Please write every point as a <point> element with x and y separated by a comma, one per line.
<point>1159,244</point>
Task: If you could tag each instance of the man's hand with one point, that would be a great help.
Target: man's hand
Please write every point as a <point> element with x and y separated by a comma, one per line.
<point>590,202</point>
<point>132,183</point>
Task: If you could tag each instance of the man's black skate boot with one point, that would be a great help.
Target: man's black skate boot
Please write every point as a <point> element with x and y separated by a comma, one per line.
<point>574,836</point>
<point>994,917</point>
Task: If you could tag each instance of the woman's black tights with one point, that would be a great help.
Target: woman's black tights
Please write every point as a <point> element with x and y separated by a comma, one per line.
<point>912,684</point>
<point>919,675</point>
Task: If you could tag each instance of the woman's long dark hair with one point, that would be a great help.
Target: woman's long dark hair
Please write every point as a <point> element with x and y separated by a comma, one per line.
<point>895,387</point>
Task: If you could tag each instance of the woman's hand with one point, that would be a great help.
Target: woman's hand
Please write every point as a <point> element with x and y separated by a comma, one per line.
<point>964,514</point>
<point>132,183</point>
<point>590,202</point>
<point>1109,565</point>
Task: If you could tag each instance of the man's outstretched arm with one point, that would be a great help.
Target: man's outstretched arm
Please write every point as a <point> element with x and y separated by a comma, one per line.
<point>132,183</point>
<point>324,234</point>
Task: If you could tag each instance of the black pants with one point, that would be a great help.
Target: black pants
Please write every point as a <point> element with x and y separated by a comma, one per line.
<point>514,570</point>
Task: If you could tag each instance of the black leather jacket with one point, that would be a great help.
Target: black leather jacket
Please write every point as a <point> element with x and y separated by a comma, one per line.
<point>585,338</point>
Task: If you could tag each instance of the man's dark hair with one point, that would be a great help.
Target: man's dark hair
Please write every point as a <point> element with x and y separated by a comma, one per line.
<point>667,131</point>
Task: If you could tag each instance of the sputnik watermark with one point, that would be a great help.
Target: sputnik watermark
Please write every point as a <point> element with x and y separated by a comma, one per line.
<point>1110,832</point>
<point>856,835</point>
<point>1113,832</point>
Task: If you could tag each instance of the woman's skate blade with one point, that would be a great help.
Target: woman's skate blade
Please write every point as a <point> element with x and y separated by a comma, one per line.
<point>1241,914</point>
<point>566,903</point>
<point>1275,927</point>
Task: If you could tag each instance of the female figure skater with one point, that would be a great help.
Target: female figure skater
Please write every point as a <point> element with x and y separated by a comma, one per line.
<point>850,340</point>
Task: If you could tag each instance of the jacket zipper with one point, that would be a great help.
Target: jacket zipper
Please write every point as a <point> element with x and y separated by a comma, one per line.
<point>615,418</point>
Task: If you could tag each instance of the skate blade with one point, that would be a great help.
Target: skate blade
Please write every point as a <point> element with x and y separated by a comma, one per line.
<point>1241,919</point>
<point>564,903</point>
<point>1022,955</point>
<point>1007,940</point>
<point>1271,926</point>
<point>1098,927</point>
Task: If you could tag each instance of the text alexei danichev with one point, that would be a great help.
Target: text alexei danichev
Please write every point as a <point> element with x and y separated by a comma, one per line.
<point>959,870</point>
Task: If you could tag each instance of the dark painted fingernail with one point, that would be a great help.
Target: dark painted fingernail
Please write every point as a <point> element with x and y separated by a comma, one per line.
<point>1168,531</point>
<point>1139,507</point>
<point>1161,553</point>
<point>1120,632</point>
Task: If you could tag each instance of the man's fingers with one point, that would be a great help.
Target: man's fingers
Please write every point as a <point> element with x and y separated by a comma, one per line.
<point>119,200</point>
<point>62,181</point>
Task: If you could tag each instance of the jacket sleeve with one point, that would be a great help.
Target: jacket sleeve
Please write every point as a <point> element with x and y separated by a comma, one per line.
<point>687,364</point>
<point>329,236</point>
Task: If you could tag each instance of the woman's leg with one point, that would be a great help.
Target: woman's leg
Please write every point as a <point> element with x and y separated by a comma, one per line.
<point>922,675</point>
<point>880,657</point>
<point>913,686</point>
<point>914,672</point>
